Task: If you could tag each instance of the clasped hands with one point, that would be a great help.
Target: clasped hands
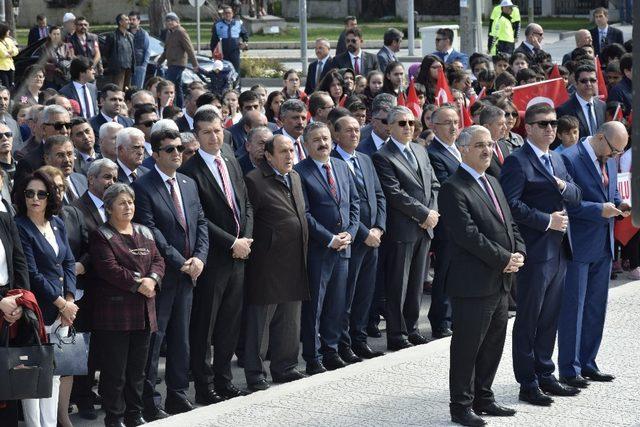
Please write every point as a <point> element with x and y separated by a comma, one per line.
<point>193,267</point>
<point>374,238</point>
<point>515,262</point>
<point>241,248</point>
<point>341,241</point>
<point>431,221</point>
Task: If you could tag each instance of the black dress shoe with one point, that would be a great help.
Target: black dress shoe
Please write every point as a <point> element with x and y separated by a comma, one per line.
<point>87,411</point>
<point>417,339</point>
<point>177,405</point>
<point>134,421</point>
<point>598,376</point>
<point>398,345</point>
<point>467,417</point>
<point>535,396</point>
<point>556,389</point>
<point>229,391</point>
<point>315,367</point>
<point>347,355</point>
<point>259,385</point>
<point>441,333</point>
<point>364,351</point>
<point>208,397</point>
<point>494,410</point>
<point>577,381</point>
<point>373,331</point>
<point>152,414</point>
<point>114,423</point>
<point>333,362</point>
<point>287,377</point>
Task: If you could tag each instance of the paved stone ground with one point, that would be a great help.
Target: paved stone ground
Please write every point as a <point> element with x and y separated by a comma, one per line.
<point>410,387</point>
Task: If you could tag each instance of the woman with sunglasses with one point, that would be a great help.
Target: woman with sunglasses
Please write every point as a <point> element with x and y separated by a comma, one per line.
<point>51,272</point>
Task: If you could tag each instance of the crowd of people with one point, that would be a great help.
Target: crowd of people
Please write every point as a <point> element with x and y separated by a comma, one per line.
<point>260,223</point>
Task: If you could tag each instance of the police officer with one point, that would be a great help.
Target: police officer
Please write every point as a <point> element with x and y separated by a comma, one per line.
<point>233,36</point>
<point>503,32</point>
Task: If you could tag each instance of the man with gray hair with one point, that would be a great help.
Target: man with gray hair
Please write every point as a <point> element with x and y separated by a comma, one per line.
<point>532,43</point>
<point>411,189</point>
<point>486,250</point>
<point>293,115</point>
<point>319,67</point>
<point>191,145</point>
<point>379,109</point>
<point>256,140</point>
<point>392,39</point>
<point>494,120</point>
<point>130,154</point>
<point>107,139</point>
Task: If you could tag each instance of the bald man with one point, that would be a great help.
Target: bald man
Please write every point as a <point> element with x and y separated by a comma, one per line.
<point>532,43</point>
<point>583,38</point>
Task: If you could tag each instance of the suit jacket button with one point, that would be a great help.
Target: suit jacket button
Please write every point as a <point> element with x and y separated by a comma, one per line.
<point>339,223</point>
<point>61,279</point>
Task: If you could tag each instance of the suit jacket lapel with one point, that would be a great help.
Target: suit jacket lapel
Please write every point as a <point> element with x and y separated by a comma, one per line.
<point>400,158</point>
<point>588,164</point>
<point>422,159</point>
<point>209,175</point>
<point>538,164</point>
<point>580,113</point>
<point>481,193</point>
<point>448,154</point>
<point>161,188</point>
<point>93,210</point>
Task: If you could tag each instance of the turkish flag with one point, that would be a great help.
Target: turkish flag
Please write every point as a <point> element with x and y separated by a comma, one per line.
<point>443,91</point>
<point>413,102</point>
<point>553,92</point>
<point>465,117</point>
<point>618,115</point>
<point>602,85</point>
<point>624,230</point>
<point>555,73</point>
<point>402,101</point>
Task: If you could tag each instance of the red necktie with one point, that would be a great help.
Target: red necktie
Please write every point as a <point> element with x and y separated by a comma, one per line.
<point>299,149</point>
<point>356,65</point>
<point>331,181</point>
<point>496,148</point>
<point>178,206</point>
<point>226,187</point>
<point>492,196</point>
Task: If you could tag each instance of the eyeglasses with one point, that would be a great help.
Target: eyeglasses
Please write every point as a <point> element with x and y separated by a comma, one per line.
<point>539,34</point>
<point>383,121</point>
<point>403,123</point>
<point>544,123</point>
<point>7,134</point>
<point>60,125</point>
<point>614,150</point>
<point>148,123</point>
<point>171,148</point>
<point>587,81</point>
<point>41,195</point>
<point>513,114</point>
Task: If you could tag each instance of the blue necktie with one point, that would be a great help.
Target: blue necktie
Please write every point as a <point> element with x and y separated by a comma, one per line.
<point>358,173</point>
<point>592,123</point>
<point>411,158</point>
<point>546,159</point>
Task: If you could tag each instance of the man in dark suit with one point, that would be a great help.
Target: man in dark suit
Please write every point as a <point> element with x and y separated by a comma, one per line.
<point>130,151</point>
<point>318,68</point>
<point>168,203</point>
<point>532,43</point>
<point>254,146</point>
<point>59,153</point>
<point>251,118</point>
<point>603,34</point>
<point>445,159</point>
<point>355,58</point>
<point>275,285</point>
<point>539,190</point>
<point>445,50</point>
<point>293,114</point>
<point>381,104</point>
<point>361,278</point>
<point>391,39</point>
<point>332,214</point>
<point>349,23</point>
<point>84,142</point>
<point>39,31</point>
<point>81,88</point>
<point>185,123</point>
<point>112,101</point>
<point>411,188</point>
<point>219,292</point>
<point>592,164</point>
<point>486,250</point>
<point>584,104</point>
<point>494,120</point>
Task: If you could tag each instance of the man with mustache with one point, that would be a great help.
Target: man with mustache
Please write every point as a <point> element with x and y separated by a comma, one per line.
<point>59,153</point>
<point>293,114</point>
<point>333,212</point>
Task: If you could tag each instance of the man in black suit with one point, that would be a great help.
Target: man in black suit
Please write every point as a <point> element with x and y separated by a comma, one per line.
<point>59,153</point>
<point>584,104</point>
<point>361,278</point>
<point>167,202</point>
<point>293,114</point>
<point>494,120</point>
<point>486,250</point>
<point>219,293</point>
<point>411,188</point>
<point>53,120</point>
<point>445,159</point>
<point>84,142</point>
<point>112,101</point>
<point>355,58</point>
<point>319,67</point>
<point>532,44</point>
<point>130,151</point>
<point>39,31</point>
<point>603,34</point>
<point>82,89</point>
<point>349,23</point>
<point>254,146</point>
<point>185,123</point>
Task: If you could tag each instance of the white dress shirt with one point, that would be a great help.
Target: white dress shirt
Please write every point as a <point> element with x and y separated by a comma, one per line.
<point>126,170</point>
<point>99,204</point>
<point>379,142</point>
<point>80,88</point>
<point>452,149</point>
<point>296,158</point>
<point>165,178</point>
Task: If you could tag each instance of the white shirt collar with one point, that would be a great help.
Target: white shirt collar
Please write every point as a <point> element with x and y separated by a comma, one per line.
<point>188,118</point>
<point>474,173</point>
<point>587,146</point>
<point>583,102</point>
<point>451,148</point>
<point>284,132</point>
<point>539,152</point>
<point>163,175</point>
<point>126,170</point>
<point>346,156</point>
<point>354,56</point>
<point>400,145</point>
<point>529,45</point>
<point>96,200</point>
<point>208,158</point>
<point>379,142</point>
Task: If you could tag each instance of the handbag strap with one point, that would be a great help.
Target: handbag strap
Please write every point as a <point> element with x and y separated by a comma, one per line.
<point>65,340</point>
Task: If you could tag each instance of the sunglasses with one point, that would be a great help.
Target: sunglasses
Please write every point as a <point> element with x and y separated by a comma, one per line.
<point>41,195</point>
<point>544,123</point>
<point>148,123</point>
<point>171,148</point>
<point>60,125</point>
<point>7,134</point>
<point>513,114</point>
<point>403,123</point>
<point>585,81</point>
<point>383,121</point>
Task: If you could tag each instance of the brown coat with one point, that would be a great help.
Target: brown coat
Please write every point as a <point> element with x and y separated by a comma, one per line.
<point>277,269</point>
<point>178,49</point>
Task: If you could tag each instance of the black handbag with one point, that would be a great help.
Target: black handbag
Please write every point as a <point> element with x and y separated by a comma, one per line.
<point>26,372</point>
<point>71,353</point>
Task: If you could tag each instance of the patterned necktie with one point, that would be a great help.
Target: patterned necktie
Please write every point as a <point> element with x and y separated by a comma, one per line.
<point>546,159</point>
<point>178,207</point>
<point>492,196</point>
<point>412,159</point>
<point>331,181</point>
<point>133,175</point>
<point>87,105</point>
<point>496,148</point>
<point>356,65</point>
<point>71,197</point>
<point>605,175</point>
<point>299,150</point>
<point>592,122</point>
<point>226,188</point>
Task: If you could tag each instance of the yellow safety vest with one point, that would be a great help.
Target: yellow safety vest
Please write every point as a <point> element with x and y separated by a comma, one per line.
<point>497,12</point>
<point>501,30</point>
